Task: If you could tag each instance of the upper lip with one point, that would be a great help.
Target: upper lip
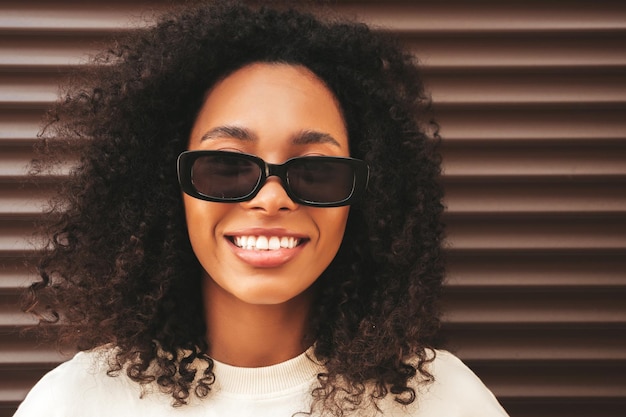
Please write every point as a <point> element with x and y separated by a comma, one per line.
<point>261,231</point>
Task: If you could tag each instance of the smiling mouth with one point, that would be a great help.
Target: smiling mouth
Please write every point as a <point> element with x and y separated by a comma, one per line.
<point>265,243</point>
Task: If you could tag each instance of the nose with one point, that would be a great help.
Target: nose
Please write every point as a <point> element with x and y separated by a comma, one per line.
<point>271,198</point>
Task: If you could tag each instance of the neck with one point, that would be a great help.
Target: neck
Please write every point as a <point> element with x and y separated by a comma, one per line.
<point>253,335</point>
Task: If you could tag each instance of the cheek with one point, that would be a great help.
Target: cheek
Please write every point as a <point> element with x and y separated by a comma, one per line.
<point>202,218</point>
<point>333,226</point>
<point>193,215</point>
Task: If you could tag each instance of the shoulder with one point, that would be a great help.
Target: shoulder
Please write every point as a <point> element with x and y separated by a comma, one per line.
<point>81,371</point>
<point>452,374</point>
<point>79,387</point>
<point>457,389</point>
<point>455,392</point>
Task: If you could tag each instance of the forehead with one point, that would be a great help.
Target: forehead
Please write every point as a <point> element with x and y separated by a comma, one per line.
<point>271,76</point>
<point>271,99</point>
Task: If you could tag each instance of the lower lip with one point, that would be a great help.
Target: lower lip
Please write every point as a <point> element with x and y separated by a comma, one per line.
<point>266,258</point>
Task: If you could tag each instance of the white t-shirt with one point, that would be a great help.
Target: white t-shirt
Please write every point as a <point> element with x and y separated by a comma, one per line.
<point>81,388</point>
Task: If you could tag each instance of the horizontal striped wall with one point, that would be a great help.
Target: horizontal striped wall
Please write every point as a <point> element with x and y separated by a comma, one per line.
<point>531,98</point>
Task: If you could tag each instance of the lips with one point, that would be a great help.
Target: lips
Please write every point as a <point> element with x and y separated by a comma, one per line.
<point>264,248</point>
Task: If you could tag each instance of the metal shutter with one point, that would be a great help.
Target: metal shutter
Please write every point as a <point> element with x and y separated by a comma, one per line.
<point>531,97</point>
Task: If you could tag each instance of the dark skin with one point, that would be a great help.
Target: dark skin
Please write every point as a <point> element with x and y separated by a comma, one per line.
<point>257,301</point>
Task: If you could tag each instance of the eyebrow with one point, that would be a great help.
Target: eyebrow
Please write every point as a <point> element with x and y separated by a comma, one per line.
<point>304,137</point>
<point>233,132</point>
<point>312,136</point>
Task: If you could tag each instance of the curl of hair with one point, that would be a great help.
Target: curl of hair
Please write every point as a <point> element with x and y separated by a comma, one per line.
<point>120,270</point>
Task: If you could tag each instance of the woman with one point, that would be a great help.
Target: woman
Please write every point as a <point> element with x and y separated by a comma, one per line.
<point>297,272</point>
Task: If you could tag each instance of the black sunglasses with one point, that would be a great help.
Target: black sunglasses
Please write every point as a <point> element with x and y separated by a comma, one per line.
<point>232,177</point>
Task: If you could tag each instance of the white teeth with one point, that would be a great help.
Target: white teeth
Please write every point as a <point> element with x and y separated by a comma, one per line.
<point>274,243</point>
<point>265,242</point>
<point>262,243</point>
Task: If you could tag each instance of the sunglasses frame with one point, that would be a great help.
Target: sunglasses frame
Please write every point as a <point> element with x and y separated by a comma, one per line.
<point>186,160</point>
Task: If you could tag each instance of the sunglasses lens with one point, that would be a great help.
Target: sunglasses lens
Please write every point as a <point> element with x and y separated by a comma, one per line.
<point>229,177</point>
<point>225,176</point>
<point>321,181</point>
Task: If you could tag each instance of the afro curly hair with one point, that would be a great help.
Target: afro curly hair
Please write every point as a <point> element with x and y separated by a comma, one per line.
<point>119,269</point>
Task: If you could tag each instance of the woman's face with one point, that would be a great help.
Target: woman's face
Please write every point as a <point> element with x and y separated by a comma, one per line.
<point>277,112</point>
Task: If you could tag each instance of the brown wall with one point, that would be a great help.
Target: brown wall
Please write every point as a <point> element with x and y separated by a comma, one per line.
<point>531,97</point>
